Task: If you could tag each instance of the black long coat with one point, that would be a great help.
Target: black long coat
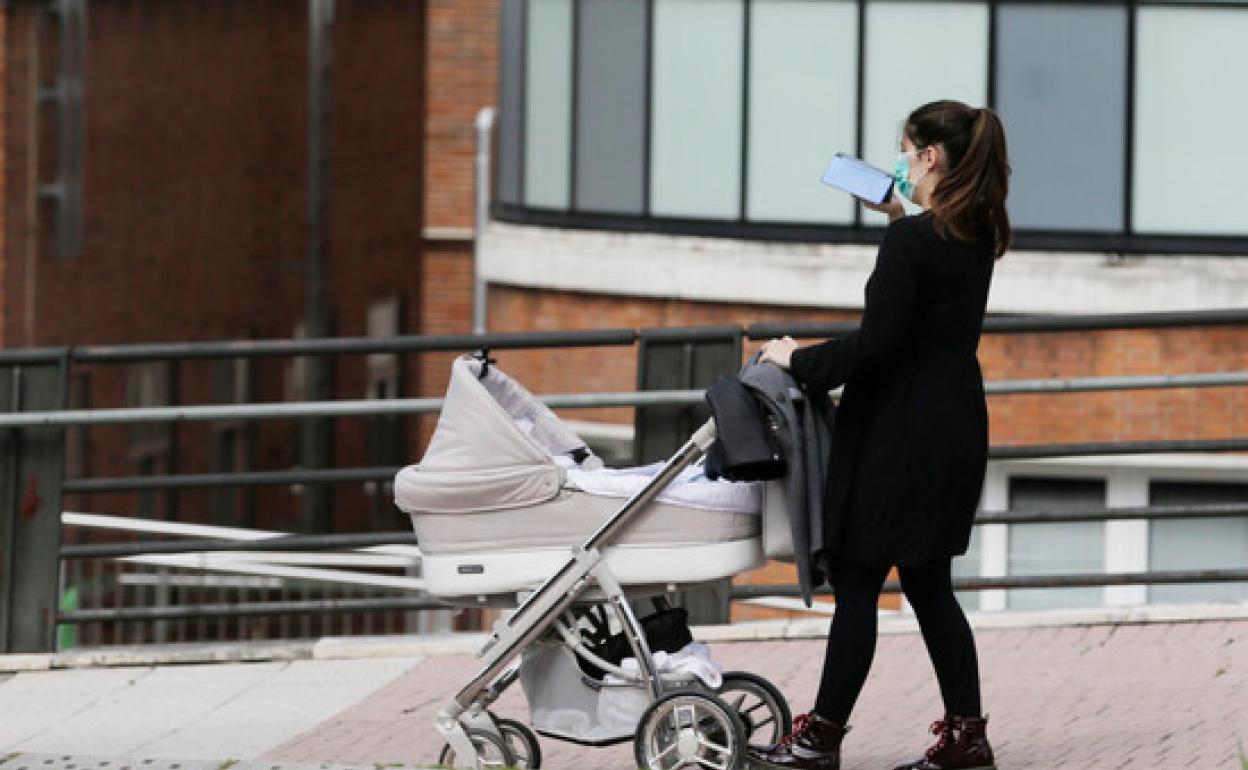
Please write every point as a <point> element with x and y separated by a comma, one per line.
<point>911,439</point>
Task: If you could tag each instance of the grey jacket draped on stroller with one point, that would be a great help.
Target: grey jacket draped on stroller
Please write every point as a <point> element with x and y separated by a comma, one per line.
<point>801,426</point>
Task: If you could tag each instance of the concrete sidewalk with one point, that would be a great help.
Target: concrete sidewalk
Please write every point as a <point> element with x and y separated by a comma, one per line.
<point>1134,695</point>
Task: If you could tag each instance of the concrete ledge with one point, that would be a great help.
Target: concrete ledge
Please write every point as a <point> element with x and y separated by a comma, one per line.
<point>892,622</point>
<point>327,648</point>
<point>717,269</point>
<point>26,662</point>
<point>355,647</point>
<point>160,655</point>
<point>22,761</point>
<point>398,646</point>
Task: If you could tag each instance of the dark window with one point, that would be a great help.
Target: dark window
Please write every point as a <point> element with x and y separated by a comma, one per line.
<point>1202,543</point>
<point>1059,548</point>
<point>1061,82</point>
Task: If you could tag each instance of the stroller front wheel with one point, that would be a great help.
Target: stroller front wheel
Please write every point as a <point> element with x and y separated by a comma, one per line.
<point>689,728</point>
<point>492,751</point>
<point>764,712</point>
<point>526,752</point>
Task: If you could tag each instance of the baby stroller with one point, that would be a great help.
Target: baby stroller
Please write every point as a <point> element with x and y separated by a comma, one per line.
<point>510,508</point>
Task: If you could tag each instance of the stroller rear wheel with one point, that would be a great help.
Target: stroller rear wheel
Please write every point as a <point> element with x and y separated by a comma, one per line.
<point>689,728</point>
<point>764,712</point>
<point>492,751</point>
<point>526,752</point>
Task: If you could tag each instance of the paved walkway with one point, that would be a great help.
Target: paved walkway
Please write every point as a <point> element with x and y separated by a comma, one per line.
<point>1172,695</point>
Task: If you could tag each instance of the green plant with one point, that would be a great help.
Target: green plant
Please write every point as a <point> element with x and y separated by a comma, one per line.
<point>227,764</point>
<point>1243,760</point>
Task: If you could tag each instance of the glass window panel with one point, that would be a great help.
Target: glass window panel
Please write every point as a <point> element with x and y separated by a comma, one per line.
<point>1061,82</point>
<point>511,100</point>
<point>898,44</point>
<point>1039,549</point>
<point>695,155</point>
<point>1189,112</point>
<point>610,106</point>
<point>548,81</point>
<point>803,107</point>
<point>1205,543</point>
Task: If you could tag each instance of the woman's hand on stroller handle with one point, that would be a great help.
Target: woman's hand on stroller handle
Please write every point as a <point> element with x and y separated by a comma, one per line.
<point>778,351</point>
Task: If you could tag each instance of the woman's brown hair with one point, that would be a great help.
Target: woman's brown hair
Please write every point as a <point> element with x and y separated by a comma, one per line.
<point>969,200</point>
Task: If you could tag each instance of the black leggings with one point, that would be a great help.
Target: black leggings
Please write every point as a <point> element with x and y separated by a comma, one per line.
<point>851,640</point>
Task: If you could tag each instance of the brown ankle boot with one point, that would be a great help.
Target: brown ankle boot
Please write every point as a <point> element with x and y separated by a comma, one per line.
<point>814,744</point>
<point>961,745</point>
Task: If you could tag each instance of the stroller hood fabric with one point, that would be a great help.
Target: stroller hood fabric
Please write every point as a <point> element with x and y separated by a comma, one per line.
<point>492,448</point>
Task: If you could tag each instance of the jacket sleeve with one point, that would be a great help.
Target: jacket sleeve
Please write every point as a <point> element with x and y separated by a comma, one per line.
<point>887,317</point>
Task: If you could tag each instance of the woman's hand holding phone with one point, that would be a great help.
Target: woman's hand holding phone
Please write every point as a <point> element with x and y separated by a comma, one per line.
<point>892,207</point>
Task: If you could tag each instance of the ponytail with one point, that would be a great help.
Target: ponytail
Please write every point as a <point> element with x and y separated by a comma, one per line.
<point>969,199</point>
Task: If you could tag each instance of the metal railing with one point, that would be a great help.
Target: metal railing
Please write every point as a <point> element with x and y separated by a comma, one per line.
<point>238,577</point>
<point>27,584</point>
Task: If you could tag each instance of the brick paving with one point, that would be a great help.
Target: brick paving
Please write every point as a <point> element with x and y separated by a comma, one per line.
<point>1172,695</point>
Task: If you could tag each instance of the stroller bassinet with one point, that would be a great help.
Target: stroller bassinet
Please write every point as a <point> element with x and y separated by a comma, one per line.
<point>506,488</point>
<point>511,508</point>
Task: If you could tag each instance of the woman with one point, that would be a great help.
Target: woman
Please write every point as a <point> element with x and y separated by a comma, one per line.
<point>911,439</point>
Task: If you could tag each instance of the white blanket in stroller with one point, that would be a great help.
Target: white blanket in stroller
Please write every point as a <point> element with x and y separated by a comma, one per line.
<point>690,488</point>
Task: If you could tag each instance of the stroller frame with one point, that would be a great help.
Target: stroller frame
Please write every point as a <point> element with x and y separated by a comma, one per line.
<point>541,611</point>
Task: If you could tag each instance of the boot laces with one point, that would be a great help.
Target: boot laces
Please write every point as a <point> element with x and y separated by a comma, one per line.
<point>801,723</point>
<point>943,728</point>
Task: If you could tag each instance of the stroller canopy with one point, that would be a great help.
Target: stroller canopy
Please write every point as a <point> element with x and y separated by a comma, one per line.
<point>493,448</point>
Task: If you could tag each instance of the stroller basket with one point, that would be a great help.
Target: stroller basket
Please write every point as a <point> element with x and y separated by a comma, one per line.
<point>665,631</point>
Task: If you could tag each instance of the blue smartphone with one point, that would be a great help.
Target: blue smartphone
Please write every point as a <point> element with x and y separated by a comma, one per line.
<point>858,178</point>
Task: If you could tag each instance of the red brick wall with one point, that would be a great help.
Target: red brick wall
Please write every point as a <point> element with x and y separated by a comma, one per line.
<point>463,78</point>
<point>1018,419</point>
<point>1113,416</point>
<point>447,309</point>
<point>195,190</point>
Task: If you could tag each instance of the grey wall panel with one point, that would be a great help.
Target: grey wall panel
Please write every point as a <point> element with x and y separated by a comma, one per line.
<point>548,103</point>
<point>696,110</point>
<point>1061,93</point>
<point>899,42</point>
<point>802,108</point>
<point>1189,120</point>
<point>610,106</point>
<point>511,101</point>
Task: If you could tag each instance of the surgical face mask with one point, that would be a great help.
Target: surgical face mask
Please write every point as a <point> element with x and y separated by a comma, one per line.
<point>901,175</point>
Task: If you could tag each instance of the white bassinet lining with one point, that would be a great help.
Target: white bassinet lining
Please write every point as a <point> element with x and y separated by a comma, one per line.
<point>691,488</point>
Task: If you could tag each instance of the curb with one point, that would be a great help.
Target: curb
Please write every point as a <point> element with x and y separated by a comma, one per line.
<point>398,646</point>
<point>21,761</point>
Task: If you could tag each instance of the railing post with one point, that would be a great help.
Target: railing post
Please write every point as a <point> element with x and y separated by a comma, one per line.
<point>317,445</point>
<point>31,472</point>
<point>670,360</point>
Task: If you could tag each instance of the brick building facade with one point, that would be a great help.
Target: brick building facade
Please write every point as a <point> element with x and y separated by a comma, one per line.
<point>194,184</point>
<point>195,228</point>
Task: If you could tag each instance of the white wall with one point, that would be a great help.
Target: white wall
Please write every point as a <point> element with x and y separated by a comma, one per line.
<point>825,275</point>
